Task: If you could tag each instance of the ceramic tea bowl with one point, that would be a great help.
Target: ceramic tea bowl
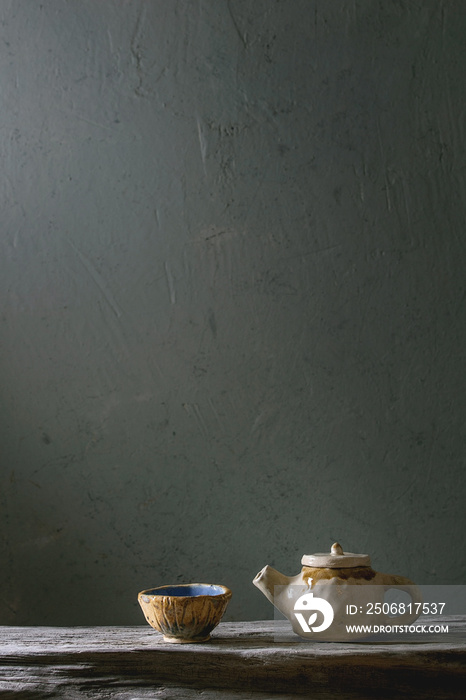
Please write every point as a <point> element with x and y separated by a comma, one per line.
<point>187,612</point>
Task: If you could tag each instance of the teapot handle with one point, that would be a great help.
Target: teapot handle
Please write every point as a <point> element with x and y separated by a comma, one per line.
<point>404,584</point>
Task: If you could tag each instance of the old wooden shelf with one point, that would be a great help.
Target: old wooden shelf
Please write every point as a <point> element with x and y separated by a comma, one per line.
<point>243,660</point>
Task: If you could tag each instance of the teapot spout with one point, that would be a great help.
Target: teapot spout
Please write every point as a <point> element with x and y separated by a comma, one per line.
<point>267,579</point>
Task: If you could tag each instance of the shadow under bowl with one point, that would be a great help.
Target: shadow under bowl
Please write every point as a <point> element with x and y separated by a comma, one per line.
<point>185,613</point>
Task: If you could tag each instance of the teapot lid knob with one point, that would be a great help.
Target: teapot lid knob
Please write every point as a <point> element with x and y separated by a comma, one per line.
<point>337,549</point>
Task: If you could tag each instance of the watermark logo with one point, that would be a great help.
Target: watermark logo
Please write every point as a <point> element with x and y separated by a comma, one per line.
<point>312,604</point>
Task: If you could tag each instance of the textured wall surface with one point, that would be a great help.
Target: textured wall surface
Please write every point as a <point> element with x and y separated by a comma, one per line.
<point>232,295</point>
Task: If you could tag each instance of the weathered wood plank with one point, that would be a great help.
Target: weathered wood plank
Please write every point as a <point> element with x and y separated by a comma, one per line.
<point>242,659</point>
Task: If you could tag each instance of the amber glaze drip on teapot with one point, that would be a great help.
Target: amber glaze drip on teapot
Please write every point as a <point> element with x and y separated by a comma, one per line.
<point>313,575</point>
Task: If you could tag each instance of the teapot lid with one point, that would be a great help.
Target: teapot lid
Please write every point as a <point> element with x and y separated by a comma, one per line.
<point>337,559</point>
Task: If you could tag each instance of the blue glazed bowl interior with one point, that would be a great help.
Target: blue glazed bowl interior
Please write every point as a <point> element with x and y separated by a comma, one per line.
<point>190,590</point>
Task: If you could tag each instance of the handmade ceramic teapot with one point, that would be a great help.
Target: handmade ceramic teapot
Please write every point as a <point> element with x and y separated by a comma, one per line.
<point>339,597</point>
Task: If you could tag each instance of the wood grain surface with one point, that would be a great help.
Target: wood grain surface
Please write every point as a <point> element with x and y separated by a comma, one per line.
<point>243,660</point>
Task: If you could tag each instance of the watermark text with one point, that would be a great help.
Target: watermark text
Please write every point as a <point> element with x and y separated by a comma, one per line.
<point>397,629</point>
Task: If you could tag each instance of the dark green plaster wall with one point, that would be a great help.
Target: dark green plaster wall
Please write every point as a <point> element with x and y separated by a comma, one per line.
<point>232,295</point>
